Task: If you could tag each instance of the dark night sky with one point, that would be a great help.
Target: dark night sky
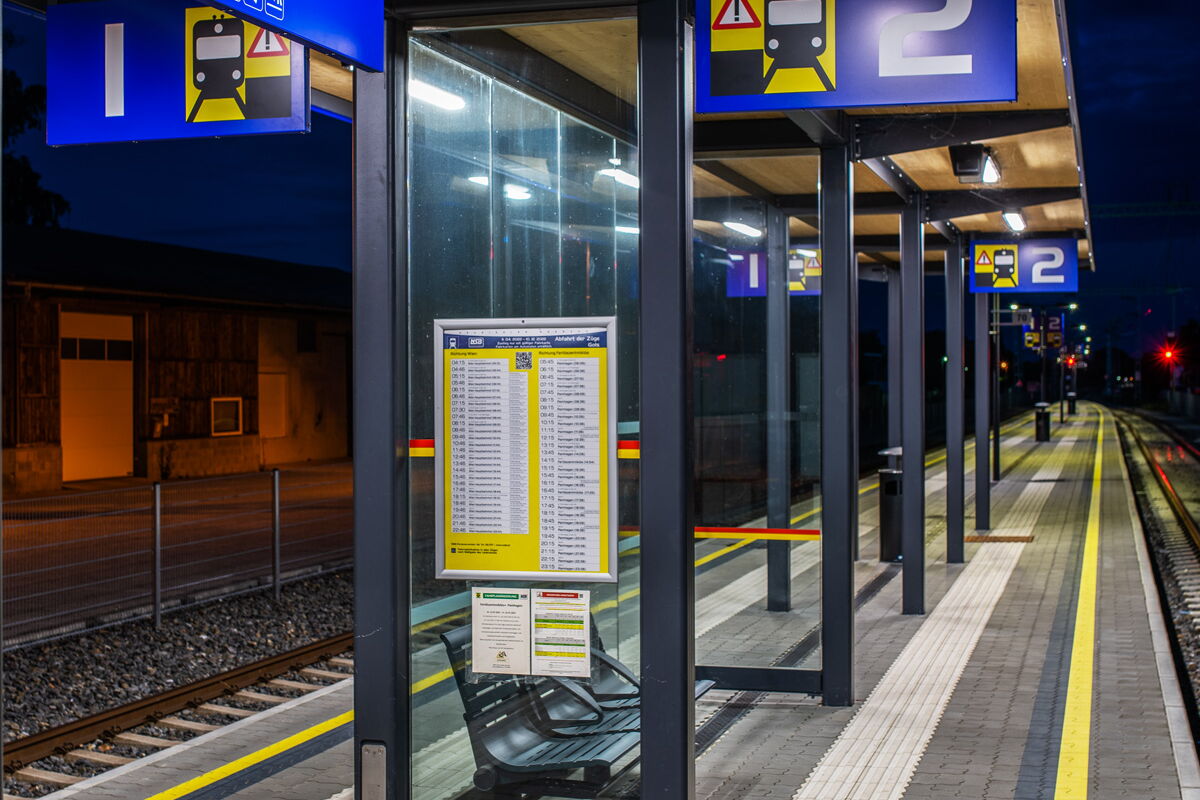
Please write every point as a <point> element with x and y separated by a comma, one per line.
<point>288,197</point>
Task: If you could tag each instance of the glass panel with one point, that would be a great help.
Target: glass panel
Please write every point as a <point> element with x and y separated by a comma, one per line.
<point>523,203</point>
<point>734,626</point>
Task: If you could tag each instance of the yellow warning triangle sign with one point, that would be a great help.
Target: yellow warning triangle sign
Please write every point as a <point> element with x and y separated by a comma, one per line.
<point>984,261</point>
<point>736,14</point>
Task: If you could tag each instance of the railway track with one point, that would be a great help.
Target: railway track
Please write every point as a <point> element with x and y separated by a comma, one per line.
<point>1164,468</point>
<point>67,754</point>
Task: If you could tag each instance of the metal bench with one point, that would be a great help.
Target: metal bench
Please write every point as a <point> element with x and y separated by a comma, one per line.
<point>528,735</point>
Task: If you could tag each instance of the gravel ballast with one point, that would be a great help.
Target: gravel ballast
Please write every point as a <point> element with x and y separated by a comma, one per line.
<point>57,682</point>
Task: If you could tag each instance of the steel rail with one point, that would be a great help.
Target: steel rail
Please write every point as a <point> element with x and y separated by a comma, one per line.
<point>64,738</point>
<point>1164,483</point>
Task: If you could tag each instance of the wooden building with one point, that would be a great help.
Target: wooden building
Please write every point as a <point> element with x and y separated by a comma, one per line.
<point>129,358</point>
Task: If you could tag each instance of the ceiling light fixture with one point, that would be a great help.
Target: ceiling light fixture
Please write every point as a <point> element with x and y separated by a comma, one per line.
<point>974,163</point>
<point>435,96</point>
<point>622,177</point>
<point>1015,220</point>
<point>628,229</point>
<point>482,180</point>
<point>515,192</point>
<point>991,170</point>
<point>744,229</point>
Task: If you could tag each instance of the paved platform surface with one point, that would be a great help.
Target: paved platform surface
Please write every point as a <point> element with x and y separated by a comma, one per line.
<point>1041,670</point>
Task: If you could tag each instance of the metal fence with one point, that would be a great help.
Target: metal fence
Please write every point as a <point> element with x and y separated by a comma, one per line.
<point>80,561</point>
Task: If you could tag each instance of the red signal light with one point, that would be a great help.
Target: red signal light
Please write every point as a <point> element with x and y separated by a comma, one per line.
<point>1168,354</point>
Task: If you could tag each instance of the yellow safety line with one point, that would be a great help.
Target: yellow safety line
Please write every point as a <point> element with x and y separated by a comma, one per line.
<point>309,734</point>
<point>1074,749</point>
<point>256,757</point>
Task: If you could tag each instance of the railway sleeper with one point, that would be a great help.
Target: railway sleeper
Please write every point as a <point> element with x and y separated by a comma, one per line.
<point>323,674</point>
<point>187,725</point>
<point>144,742</point>
<point>260,697</point>
<point>45,777</point>
<point>227,711</point>
<point>296,686</point>
<point>98,758</point>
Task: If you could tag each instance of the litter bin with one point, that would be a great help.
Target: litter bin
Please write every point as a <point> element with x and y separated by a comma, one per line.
<point>891,488</point>
<point>1042,422</point>
<point>1071,402</point>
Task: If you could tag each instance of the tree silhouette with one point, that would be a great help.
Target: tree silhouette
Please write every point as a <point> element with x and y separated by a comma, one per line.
<point>26,201</point>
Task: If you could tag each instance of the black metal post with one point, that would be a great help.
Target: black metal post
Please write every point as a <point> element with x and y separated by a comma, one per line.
<point>839,424</point>
<point>665,255</point>
<point>994,326</point>
<point>158,575</point>
<point>383,712</point>
<point>912,277</point>
<point>983,389</point>
<point>779,403</point>
<point>955,404</point>
<point>1042,352</point>
<point>1062,388</point>
<point>276,538</point>
<point>895,328</point>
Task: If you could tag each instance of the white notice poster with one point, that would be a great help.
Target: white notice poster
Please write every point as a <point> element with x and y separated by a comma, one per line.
<point>500,631</point>
<point>562,636</point>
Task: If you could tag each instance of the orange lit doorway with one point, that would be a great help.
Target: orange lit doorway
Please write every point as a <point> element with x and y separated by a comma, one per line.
<point>97,395</point>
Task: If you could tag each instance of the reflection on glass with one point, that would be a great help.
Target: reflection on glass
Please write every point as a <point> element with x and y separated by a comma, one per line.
<point>517,208</point>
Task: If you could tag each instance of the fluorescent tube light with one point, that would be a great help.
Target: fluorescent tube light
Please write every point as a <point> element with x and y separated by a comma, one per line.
<point>482,180</point>
<point>628,229</point>
<point>736,257</point>
<point>622,177</point>
<point>515,192</point>
<point>1015,221</point>
<point>744,229</point>
<point>991,170</point>
<point>435,96</point>
<point>806,253</point>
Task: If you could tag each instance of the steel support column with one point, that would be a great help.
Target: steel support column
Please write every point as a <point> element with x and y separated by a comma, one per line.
<point>955,404</point>
<point>668,577</point>
<point>382,597</point>
<point>983,393</point>
<point>895,323</point>
<point>779,404</point>
<point>912,380</point>
<point>839,424</point>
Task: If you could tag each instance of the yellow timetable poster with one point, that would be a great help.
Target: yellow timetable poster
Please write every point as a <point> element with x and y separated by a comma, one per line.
<point>526,449</point>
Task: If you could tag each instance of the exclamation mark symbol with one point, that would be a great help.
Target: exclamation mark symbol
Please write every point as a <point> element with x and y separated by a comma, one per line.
<point>737,10</point>
<point>114,69</point>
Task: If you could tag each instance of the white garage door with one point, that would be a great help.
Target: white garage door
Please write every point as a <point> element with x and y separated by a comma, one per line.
<point>97,395</point>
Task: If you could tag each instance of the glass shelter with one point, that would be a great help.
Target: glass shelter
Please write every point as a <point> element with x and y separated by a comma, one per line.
<point>518,200</point>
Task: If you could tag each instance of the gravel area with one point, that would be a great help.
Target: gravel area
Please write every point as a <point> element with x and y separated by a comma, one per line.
<point>51,684</point>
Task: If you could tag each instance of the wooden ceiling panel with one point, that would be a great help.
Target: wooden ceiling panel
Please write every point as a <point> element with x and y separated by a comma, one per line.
<point>799,228</point>
<point>877,225</point>
<point>604,52</point>
<point>705,184</point>
<point>1042,158</point>
<point>328,75</point>
<point>783,175</point>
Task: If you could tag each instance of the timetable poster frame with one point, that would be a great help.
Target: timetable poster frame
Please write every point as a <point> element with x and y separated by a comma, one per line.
<point>513,466</point>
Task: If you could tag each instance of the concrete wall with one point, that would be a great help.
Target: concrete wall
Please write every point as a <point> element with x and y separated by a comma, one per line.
<point>32,469</point>
<point>201,458</point>
<point>313,415</point>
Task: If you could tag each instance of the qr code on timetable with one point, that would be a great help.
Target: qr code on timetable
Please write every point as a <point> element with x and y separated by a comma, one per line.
<point>524,360</point>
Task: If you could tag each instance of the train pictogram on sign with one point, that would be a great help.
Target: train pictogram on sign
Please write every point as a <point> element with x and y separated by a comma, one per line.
<point>235,70</point>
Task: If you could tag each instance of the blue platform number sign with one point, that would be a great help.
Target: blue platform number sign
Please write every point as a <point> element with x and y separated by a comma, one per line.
<point>349,30</point>
<point>120,70</point>
<point>1031,265</point>
<point>764,55</point>
<point>746,275</point>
